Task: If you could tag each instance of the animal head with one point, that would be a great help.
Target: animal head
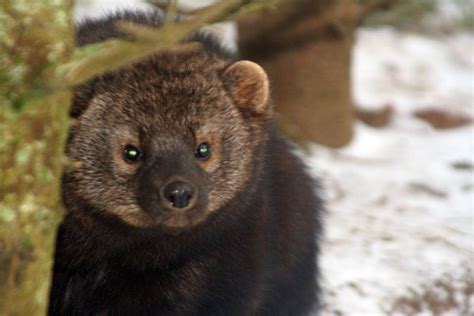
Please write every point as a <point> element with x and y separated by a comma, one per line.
<point>168,141</point>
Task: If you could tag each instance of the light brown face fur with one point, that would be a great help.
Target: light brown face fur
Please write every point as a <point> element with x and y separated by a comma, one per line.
<point>166,106</point>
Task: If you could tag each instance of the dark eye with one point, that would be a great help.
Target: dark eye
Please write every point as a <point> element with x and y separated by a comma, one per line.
<point>203,151</point>
<point>132,154</point>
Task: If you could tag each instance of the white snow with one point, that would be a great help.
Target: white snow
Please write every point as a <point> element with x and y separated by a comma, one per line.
<point>399,215</point>
<point>411,71</point>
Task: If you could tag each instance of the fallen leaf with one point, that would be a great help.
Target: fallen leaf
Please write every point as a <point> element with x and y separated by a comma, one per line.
<point>378,119</point>
<point>462,165</point>
<point>441,119</point>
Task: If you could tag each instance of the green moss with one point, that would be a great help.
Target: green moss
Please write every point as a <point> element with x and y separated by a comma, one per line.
<point>7,214</point>
<point>410,15</point>
<point>403,14</point>
<point>466,20</point>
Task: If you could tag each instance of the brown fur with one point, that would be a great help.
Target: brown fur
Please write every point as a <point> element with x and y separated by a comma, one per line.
<point>248,244</point>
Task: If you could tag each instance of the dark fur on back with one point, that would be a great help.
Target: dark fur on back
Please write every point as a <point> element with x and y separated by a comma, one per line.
<point>93,31</point>
<point>251,246</point>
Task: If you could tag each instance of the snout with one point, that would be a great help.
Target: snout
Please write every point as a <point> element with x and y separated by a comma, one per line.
<point>179,195</point>
<point>177,203</point>
<point>172,188</point>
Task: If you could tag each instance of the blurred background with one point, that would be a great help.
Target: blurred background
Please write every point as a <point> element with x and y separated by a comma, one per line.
<point>379,94</point>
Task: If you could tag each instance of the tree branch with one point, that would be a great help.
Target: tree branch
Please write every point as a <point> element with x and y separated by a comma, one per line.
<point>370,6</point>
<point>146,41</point>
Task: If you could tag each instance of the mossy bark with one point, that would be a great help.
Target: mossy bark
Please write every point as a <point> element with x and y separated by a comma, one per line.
<point>35,37</point>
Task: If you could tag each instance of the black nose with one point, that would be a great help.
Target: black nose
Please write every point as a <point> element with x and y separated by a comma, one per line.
<point>179,194</point>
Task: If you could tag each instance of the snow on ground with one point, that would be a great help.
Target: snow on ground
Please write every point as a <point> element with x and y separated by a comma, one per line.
<point>399,214</point>
<point>412,71</point>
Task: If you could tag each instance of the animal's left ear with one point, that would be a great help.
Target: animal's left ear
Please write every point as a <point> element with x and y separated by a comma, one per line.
<point>247,84</point>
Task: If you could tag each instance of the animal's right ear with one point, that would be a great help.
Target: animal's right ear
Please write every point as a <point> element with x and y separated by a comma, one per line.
<point>81,99</point>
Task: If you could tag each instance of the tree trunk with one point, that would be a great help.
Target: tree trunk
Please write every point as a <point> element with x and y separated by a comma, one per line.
<point>305,46</point>
<point>35,37</point>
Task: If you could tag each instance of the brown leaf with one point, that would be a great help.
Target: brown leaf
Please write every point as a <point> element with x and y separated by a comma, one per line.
<point>378,119</point>
<point>462,165</point>
<point>441,119</point>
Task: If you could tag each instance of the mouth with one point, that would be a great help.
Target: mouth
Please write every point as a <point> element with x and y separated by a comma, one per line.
<point>179,220</point>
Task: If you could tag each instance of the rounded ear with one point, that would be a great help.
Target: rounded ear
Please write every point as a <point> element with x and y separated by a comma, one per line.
<point>247,84</point>
<point>82,96</point>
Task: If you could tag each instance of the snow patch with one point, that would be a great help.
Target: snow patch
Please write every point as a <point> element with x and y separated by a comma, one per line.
<point>412,71</point>
<point>400,213</point>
